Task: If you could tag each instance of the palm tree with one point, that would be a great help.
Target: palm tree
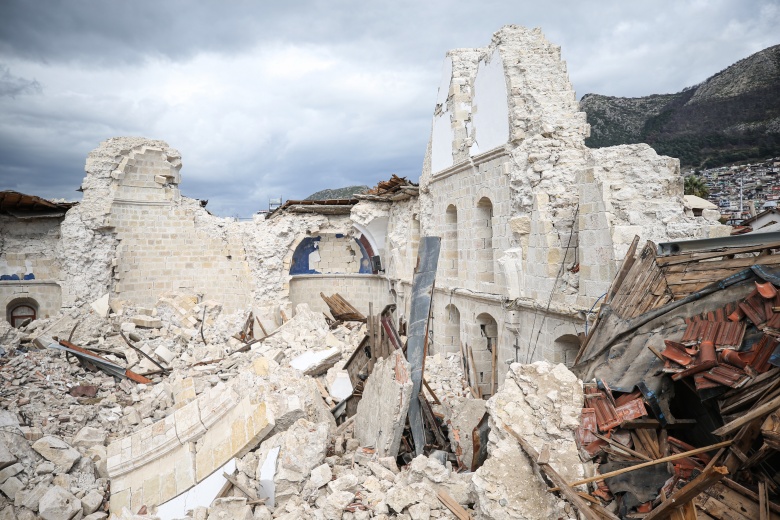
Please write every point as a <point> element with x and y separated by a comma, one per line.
<point>694,185</point>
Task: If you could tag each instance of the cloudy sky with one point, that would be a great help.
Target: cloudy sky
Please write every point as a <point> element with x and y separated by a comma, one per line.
<point>271,99</point>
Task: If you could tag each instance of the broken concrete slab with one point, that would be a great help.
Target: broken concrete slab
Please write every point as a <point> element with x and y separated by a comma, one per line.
<point>341,387</point>
<point>54,449</point>
<point>314,363</point>
<point>381,413</point>
<point>463,415</point>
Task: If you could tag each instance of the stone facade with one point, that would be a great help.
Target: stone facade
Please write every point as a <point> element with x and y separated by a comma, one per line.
<point>533,223</point>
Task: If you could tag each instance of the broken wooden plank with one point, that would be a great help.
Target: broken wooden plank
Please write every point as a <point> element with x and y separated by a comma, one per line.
<point>687,493</point>
<point>628,261</point>
<point>763,501</point>
<point>621,447</point>
<point>650,463</point>
<point>452,504</point>
<point>756,413</point>
<point>233,480</point>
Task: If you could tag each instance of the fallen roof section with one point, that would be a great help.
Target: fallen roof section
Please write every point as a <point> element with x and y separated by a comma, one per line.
<point>393,190</point>
<point>323,207</point>
<point>684,353</point>
<point>20,205</point>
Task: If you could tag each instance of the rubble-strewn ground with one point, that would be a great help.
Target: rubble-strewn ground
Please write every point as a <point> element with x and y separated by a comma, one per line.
<point>58,418</point>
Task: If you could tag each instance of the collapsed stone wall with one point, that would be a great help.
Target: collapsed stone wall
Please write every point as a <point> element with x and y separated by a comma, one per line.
<point>133,235</point>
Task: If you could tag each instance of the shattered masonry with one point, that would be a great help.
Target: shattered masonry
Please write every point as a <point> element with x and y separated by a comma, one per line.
<point>533,228</point>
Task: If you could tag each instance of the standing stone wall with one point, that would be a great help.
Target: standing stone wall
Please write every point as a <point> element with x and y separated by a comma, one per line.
<point>162,241</point>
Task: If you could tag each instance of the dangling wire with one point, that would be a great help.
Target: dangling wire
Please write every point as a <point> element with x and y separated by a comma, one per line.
<point>555,284</point>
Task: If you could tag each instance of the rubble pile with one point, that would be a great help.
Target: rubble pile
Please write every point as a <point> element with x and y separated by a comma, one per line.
<point>62,419</point>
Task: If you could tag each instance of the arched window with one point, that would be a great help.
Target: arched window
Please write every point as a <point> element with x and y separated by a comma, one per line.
<point>566,349</point>
<point>451,250</point>
<point>19,313</point>
<point>483,231</point>
<point>485,351</point>
<point>451,336</point>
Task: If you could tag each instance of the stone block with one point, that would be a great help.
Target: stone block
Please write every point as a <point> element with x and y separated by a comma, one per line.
<point>11,487</point>
<point>57,451</point>
<point>31,497</point>
<point>147,322</point>
<point>260,366</point>
<point>6,457</point>
<point>230,508</point>
<point>12,470</point>
<point>58,504</point>
<point>89,436</point>
<point>101,306</point>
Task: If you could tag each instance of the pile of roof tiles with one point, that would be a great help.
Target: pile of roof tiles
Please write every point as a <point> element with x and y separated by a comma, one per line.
<point>621,429</point>
<point>730,346</point>
<point>730,357</point>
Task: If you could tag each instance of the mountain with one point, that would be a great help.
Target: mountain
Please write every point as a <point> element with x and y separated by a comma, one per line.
<point>337,193</point>
<point>732,116</point>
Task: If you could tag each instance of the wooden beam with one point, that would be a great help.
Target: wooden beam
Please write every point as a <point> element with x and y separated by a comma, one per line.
<point>684,495</point>
<point>670,458</point>
<point>749,416</point>
<point>452,504</point>
<point>621,447</point>
<point>595,513</point>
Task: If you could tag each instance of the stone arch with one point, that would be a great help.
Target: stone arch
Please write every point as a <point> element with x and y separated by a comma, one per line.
<point>450,339</point>
<point>450,245</point>
<point>566,349</point>
<point>483,232</point>
<point>20,309</point>
<point>307,255</point>
<point>485,341</point>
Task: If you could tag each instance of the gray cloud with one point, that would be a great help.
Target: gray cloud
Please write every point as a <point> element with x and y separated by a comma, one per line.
<point>267,99</point>
<point>13,86</point>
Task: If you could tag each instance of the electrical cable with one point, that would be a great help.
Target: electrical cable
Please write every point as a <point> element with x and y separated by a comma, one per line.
<point>552,290</point>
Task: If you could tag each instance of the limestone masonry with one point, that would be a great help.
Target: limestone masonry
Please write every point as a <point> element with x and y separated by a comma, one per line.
<point>533,224</point>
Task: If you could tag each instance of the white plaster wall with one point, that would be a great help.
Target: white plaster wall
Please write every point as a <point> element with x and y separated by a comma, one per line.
<point>441,142</point>
<point>490,111</point>
<point>444,82</point>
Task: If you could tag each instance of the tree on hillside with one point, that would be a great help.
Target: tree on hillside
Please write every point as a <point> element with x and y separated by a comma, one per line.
<point>694,185</point>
